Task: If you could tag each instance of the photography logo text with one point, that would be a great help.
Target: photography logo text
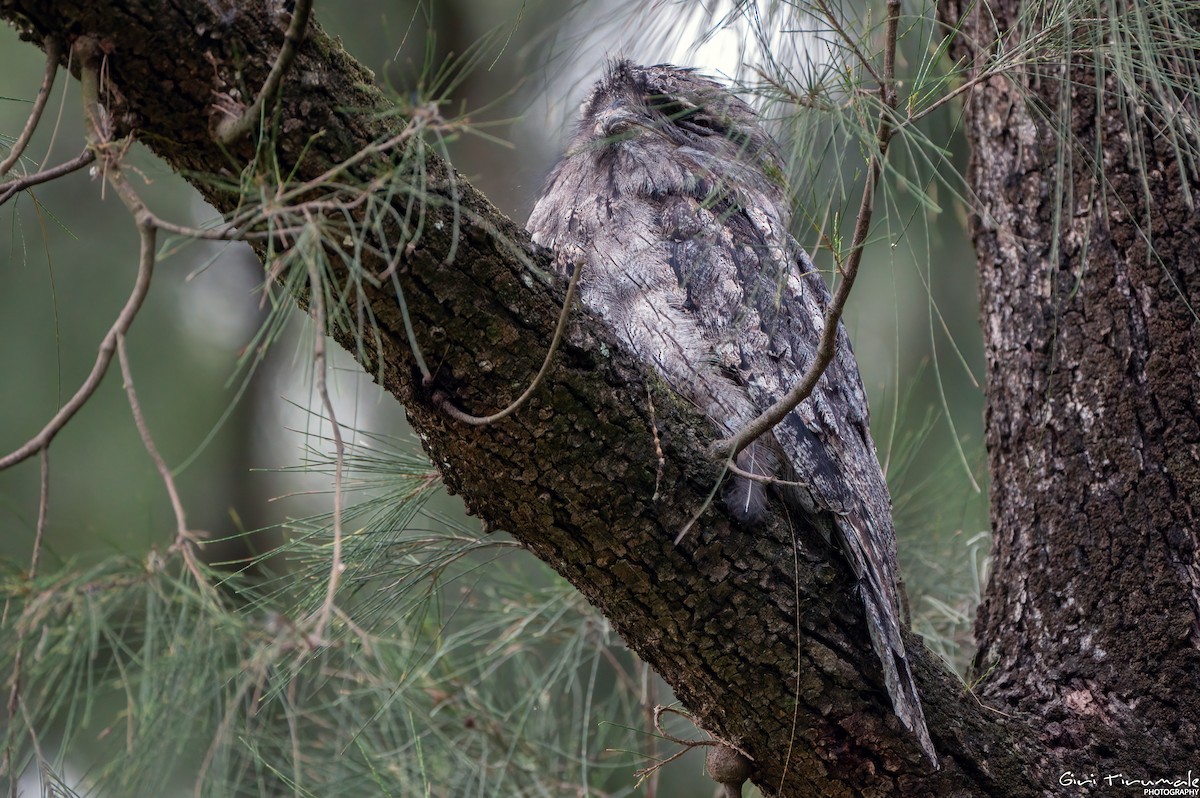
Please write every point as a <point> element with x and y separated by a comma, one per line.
<point>1174,785</point>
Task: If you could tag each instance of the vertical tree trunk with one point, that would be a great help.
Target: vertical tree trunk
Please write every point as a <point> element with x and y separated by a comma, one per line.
<point>1089,271</point>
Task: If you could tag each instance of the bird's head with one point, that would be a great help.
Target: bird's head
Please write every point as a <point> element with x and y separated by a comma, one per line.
<point>656,116</point>
<point>670,103</point>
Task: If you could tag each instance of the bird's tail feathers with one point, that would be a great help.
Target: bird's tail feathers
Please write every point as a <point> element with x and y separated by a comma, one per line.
<point>747,498</point>
<point>878,589</point>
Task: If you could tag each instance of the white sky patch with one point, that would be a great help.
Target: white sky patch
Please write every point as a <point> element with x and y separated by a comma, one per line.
<point>723,39</point>
<point>730,40</point>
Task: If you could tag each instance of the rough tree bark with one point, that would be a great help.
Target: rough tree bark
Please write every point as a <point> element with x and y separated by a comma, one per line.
<point>728,617</point>
<point>1090,621</point>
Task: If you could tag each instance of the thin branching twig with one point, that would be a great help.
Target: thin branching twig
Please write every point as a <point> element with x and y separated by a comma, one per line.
<point>185,539</point>
<point>108,346</point>
<point>688,745</point>
<point>317,303</point>
<point>13,187</point>
<point>139,421</point>
<point>787,757</point>
<point>43,513</point>
<point>114,340</point>
<point>658,450</point>
<point>827,346</point>
<point>233,128</point>
<point>14,679</point>
<point>850,42</point>
<point>98,136</point>
<point>442,400</point>
<point>649,696</point>
<point>226,232</point>
<point>53,53</point>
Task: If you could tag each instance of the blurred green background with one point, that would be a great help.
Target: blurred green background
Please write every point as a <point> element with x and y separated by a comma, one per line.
<point>68,260</point>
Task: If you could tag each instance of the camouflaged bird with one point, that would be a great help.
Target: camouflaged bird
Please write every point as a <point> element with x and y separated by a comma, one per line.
<point>675,198</point>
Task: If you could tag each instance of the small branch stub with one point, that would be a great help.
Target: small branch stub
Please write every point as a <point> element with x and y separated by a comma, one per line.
<point>233,128</point>
<point>728,768</point>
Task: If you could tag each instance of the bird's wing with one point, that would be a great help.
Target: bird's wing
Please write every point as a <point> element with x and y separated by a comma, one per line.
<point>762,302</point>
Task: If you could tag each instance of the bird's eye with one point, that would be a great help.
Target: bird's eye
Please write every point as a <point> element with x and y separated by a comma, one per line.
<point>673,108</point>
<point>695,119</point>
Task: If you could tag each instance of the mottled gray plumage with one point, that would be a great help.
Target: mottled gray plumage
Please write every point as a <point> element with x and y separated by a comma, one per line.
<point>674,196</point>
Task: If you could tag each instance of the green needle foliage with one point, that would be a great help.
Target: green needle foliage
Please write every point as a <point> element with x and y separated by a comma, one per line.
<point>442,675</point>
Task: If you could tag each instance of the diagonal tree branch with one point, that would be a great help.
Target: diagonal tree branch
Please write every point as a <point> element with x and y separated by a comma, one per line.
<point>586,475</point>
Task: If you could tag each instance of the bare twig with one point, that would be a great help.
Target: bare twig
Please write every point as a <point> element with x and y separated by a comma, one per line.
<point>443,401</point>
<point>662,460</point>
<point>100,134</point>
<point>317,303</point>
<point>787,759</point>
<point>232,129</point>
<point>967,85</point>
<point>107,346</point>
<point>53,53</point>
<point>420,119</point>
<point>139,421</point>
<point>850,41</point>
<point>708,500</point>
<point>185,539</point>
<point>647,772</point>
<point>98,138</point>
<point>38,753</point>
<point>688,745</point>
<point>100,145</point>
<point>826,347</point>
<point>225,232</point>
<point>650,699</point>
<point>11,188</point>
<point>43,514</point>
<point>14,679</point>
<point>763,479</point>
